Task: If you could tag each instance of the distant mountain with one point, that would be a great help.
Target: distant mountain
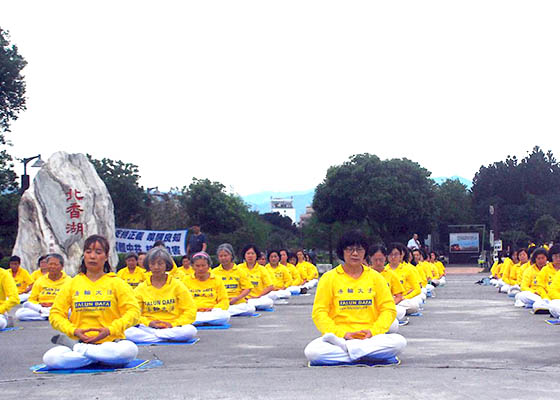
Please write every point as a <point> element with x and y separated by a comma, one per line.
<point>261,201</point>
<point>464,181</point>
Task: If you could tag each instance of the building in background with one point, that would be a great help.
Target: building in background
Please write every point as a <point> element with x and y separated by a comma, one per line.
<point>304,218</point>
<point>283,206</point>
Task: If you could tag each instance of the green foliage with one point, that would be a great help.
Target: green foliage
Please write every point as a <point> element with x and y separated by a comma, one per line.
<point>12,85</point>
<point>207,204</point>
<point>394,197</point>
<point>516,239</point>
<point>280,221</point>
<point>8,221</point>
<point>546,228</point>
<point>521,192</point>
<point>128,196</point>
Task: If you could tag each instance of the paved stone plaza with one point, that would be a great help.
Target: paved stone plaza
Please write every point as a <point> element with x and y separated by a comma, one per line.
<point>470,343</point>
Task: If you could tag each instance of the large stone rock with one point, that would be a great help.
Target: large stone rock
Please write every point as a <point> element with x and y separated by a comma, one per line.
<point>66,203</point>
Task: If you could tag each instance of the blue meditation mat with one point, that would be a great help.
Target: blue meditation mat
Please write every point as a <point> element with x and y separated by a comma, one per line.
<point>212,327</point>
<point>96,368</point>
<point>416,314</point>
<point>13,328</point>
<point>553,321</point>
<point>271,309</point>
<point>187,343</point>
<point>361,362</point>
<point>247,315</point>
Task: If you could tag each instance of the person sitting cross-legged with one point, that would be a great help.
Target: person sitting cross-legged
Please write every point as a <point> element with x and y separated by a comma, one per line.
<point>353,309</point>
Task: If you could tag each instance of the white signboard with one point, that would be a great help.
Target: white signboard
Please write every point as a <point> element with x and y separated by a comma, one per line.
<point>463,242</point>
<point>137,240</point>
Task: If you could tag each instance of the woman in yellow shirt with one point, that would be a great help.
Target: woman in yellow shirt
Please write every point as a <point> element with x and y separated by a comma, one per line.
<point>23,280</point>
<point>516,271</point>
<point>235,280</point>
<point>353,309</point>
<point>102,306</point>
<point>42,270</point>
<point>281,278</point>
<point>378,261</point>
<point>132,273</point>
<point>208,291</point>
<point>412,296</point>
<point>166,305</point>
<point>44,291</point>
<point>259,278</point>
<point>296,288</point>
<point>529,288</point>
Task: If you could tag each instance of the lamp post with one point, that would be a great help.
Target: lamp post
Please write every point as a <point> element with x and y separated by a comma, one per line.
<point>25,178</point>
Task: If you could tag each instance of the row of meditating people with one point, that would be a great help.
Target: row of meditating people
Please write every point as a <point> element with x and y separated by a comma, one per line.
<point>355,306</point>
<point>531,277</point>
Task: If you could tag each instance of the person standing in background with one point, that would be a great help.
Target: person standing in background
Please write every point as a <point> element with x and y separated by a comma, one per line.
<point>414,243</point>
<point>197,241</point>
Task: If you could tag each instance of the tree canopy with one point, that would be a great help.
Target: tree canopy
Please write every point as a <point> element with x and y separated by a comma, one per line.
<point>394,197</point>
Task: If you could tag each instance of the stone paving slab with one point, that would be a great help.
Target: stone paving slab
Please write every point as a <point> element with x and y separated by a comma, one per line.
<point>470,343</point>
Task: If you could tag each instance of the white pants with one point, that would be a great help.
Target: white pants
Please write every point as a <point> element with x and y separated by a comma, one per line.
<point>3,321</point>
<point>526,298</point>
<point>310,284</point>
<point>379,347</point>
<point>111,353</point>
<point>279,294</point>
<point>241,308</point>
<point>33,312</point>
<point>24,296</point>
<point>261,302</point>
<point>411,305</point>
<point>493,281</point>
<point>554,308</point>
<point>294,290</point>
<point>145,334</point>
<point>394,328</point>
<point>513,290</point>
<point>215,317</point>
<point>504,288</point>
<point>442,281</point>
<point>401,312</point>
<point>541,304</point>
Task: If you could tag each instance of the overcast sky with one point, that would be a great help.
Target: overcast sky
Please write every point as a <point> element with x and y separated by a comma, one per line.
<point>263,95</point>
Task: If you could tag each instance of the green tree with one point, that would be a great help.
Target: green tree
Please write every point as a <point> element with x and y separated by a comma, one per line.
<point>208,204</point>
<point>394,197</point>
<point>521,191</point>
<point>128,196</point>
<point>453,207</point>
<point>546,228</point>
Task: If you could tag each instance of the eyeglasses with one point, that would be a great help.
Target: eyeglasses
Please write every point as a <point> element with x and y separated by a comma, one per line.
<point>357,249</point>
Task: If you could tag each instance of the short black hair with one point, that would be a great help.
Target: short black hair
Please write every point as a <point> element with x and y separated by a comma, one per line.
<point>272,251</point>
<point>351,238</point>
<point>249,247</point>
<point>375,248</point>
<point>395,245</point>
<point>539,251</point>
<point>41,259</point>
<point>553,250</point>
<point>159,243</point>
<point>187,257</point>
<point>523,250</point>
<point>15,258</point>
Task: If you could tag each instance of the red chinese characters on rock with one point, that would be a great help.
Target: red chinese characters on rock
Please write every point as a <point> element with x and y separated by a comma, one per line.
<point>74,210</point>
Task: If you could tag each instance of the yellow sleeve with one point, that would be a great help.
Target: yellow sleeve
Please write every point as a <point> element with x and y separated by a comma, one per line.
<point>321,307</point>
<point>527,280</point>
<point>186,305</point>
<point>267,279</point>
<point>128,308</point>
<point>11,292</point>
<point>287,278</point>
<point>58,316</point>
<point>414,282</point>
<point>505,273</point>
<point>142,319</point>
<point>386,309</point>
<point>554,288</point>
<point>222,299</point>
<point>396,285</point>
<point>541,285</point>
<point>494,269</point>
<point>244,282</point>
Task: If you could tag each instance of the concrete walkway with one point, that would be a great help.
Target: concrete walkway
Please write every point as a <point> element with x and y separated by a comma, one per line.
<point>470,343</point>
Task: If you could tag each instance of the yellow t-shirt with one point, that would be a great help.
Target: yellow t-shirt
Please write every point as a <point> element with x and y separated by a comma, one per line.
<point>45,290</point>
<point>259,278</point>
<point>393,281</point>
<point>210,293</point>
<point>235,281</point>
<point>37,274</point>
<point>409,279</point>
<point>344,304</point>
<point>108,302</point>
<point>280,275</point>
<point>421,274</point>
<point>528,278</point>
<point>543,280</point>
<point>553,290</point>
<point>132,278</point>
<point>171,303</point>
<point>22,279</point>
<point>312,271</point>
<point>9,296</point>
<point>296,277</point>
<point>189,271</point>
